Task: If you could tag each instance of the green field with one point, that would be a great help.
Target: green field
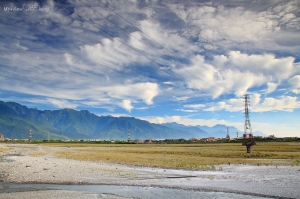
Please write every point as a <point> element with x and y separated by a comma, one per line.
<point>184,156</point>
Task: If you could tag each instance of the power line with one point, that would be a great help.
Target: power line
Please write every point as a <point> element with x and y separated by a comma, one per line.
<point>143,54</point>
<point>158,43</point>
<point>106,18</point>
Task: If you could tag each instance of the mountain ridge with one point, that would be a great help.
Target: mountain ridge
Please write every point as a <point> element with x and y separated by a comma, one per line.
<point>16,120</point>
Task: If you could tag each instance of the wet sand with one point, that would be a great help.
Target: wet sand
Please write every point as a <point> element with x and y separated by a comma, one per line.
<point>19,165</point>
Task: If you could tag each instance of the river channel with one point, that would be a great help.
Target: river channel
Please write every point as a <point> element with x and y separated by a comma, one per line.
<point>112,191</point>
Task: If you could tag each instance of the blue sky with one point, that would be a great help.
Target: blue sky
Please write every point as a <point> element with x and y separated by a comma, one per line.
<point>188,62</point>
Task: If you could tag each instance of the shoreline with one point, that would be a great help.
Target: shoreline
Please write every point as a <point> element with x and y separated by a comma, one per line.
<point>20,165</point>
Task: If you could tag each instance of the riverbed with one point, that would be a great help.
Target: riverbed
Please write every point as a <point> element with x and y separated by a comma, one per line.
<point>45,174</point>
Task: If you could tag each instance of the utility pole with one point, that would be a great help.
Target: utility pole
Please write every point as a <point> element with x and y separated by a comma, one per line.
<point>248,136</point>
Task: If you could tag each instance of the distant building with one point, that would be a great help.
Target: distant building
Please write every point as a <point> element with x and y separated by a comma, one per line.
<point>209,139</point>
<point>148,141</point>
<point>1,138</point>
<point>196,139</point>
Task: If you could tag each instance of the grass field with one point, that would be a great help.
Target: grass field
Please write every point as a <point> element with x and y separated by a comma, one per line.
<point>184,156</point>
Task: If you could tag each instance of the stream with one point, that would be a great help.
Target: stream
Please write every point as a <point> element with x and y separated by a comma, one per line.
<point>113,191</point>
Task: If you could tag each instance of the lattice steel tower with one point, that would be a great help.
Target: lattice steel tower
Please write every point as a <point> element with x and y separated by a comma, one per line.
<point>30,135</point>
<point>227,136</point>
<point>248,136</point>
<point>128,135</point>
<point>247,126</point>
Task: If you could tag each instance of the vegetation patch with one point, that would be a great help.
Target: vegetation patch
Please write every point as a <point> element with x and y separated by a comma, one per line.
<point>3,150</point>
<point>185,156</point>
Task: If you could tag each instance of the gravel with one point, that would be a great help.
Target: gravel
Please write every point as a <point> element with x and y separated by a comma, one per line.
<point>19,165</point>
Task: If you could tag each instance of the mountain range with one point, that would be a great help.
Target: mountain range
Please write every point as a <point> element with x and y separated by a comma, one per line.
<point>17,120</point>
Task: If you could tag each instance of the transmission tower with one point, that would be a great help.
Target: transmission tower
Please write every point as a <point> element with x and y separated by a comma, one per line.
<point>30,135</point>
<point>248,136</point>
<point>227,136</point>
<point>128,135</point>
<point>247,126</point>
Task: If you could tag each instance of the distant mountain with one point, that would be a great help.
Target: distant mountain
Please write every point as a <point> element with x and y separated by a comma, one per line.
<point>220,130</point>
<point>195,131</point>
<point>258,133</point>
<point>17,120</point>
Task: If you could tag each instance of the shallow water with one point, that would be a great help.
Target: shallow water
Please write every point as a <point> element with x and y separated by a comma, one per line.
<point>125,191</point>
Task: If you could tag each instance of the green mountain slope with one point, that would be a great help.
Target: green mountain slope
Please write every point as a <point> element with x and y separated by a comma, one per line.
<point>17,120</point>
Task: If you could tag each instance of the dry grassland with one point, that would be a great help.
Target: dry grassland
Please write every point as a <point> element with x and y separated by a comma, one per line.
<point>184,156</point>
<point>2,150</point>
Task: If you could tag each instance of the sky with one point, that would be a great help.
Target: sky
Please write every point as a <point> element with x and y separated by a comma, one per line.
<point>189,62</point>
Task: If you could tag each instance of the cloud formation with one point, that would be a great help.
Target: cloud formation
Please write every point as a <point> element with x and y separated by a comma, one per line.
<point>295,83</point>
<point>162,59</point>
<point>237,72</point>
<point>258,104</point>
<point>126,104</point>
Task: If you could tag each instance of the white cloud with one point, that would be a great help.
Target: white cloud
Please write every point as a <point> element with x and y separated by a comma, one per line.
<point>279,129</point>
<point>240,82</point>
<point>166,39</point>
<point>68,58</point>
<point>223,23</point>
<point>183,98</point>
<point>157,120</point>
<point>236,73</point>
<point>267,64</point>
<point>176,118</point>
<point>284,103</point>
<point>255,99</point>
<point>190,121</point>
<point>194,106</point>
<point>126,104</point>
<point>165,119</point>
<point>169,83</point>
<point>295,83</point>
<point>136,40</point>
<point>58,103</point>
<point>271,87</point>
<point>187,110</point>
<point>145,91</point>
<point>73,79</point>
<point>20,46</point>
<point>200,75</point>
<point>226,26</point>
<point>110,54</point>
